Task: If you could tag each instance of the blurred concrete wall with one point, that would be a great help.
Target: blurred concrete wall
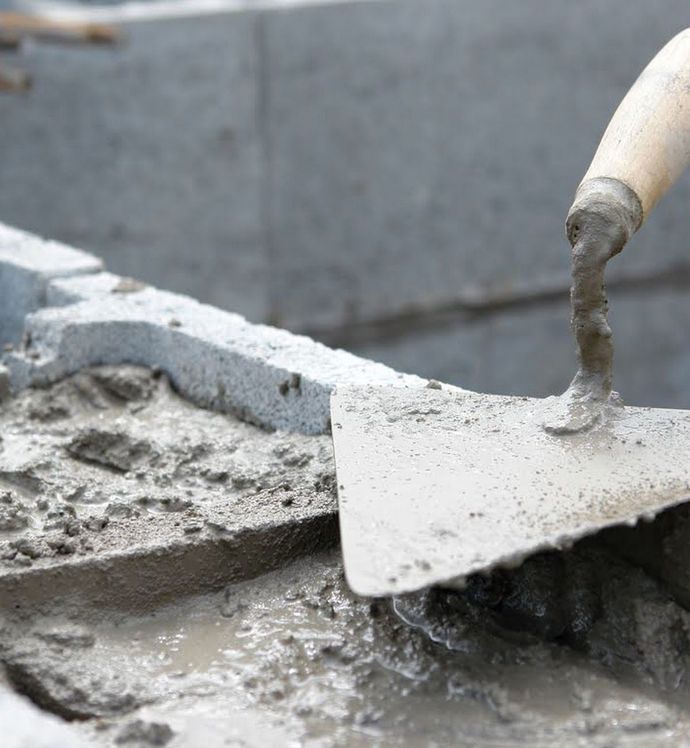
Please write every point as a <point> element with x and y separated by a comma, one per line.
<point>389,175</point>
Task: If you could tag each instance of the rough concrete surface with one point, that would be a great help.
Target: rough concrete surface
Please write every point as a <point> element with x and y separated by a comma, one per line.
<point>110,471</point>
<point>135,527</point>
<point>570,650</point>
<point>27,264</point>
<point>218,359</point>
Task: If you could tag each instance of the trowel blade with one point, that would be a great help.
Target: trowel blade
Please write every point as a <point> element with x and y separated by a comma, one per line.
<point>436,485</point>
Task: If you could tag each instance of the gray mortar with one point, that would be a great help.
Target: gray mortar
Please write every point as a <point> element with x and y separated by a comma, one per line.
<point>134,523</point>
<point>605,215</point>
<point>217,359</point>
<point>295,658</point>
<point>119,525</point>
<point>109,471</point>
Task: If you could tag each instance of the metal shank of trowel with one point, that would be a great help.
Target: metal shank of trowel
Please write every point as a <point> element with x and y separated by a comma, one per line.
<point>644,150</point>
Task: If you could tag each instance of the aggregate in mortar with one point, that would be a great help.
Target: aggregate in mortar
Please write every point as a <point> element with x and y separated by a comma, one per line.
<point>579,648</point>
<point>112,458</point>
<point>293,658</point>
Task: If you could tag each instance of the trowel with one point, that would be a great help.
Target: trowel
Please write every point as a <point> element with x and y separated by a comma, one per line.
<point>440,483</point>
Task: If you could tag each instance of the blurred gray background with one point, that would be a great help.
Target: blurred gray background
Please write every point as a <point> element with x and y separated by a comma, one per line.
<point>389,176</point>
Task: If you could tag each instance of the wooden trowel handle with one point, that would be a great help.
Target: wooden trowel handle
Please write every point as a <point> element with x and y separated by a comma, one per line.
<point>646,146</point>
<point>644,150</point>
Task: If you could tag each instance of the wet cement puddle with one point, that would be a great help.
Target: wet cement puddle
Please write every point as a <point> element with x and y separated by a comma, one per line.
<point>585,648</point>
<point>292,658</point>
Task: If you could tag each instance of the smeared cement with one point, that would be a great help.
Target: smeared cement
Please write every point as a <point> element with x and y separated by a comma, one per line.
<point>605,214</point>
<point>110,470</point>
<point>293,658</point>
<point>586,647</point>
<point>439,484</point>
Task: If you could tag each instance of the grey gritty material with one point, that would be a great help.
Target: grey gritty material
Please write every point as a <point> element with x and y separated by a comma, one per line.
<point>27,263</point>
<point>62,292</point>
<point>166,500</point>
<point>148,153</point>
<point>531,351</point>
<point>420,151</point>
<point>125,481</point>
<point>26,726</point>
<point>50,259</point>
<point>434,486</point>
<point>217,359</point>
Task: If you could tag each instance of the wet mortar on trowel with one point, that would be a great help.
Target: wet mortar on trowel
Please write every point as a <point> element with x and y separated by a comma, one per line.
<point>589,646</point>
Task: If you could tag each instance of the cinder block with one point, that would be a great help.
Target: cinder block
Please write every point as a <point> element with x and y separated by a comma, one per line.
<point>62,292</point>
<point>27,263</point>
<point>313,163</point>
<point>217,359</point>
<point>424,151</point>
<point>148,153</point>
<point>532,352</point>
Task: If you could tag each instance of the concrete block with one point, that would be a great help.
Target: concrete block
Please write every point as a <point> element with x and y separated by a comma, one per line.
<point>148,153</point>
<point>526,352</point>
<point>424,151</point>
<point>27,263</point>
<point>531,351</point>
<point>313,163</point>
<point>215,358</point>
<point>62,292</point>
